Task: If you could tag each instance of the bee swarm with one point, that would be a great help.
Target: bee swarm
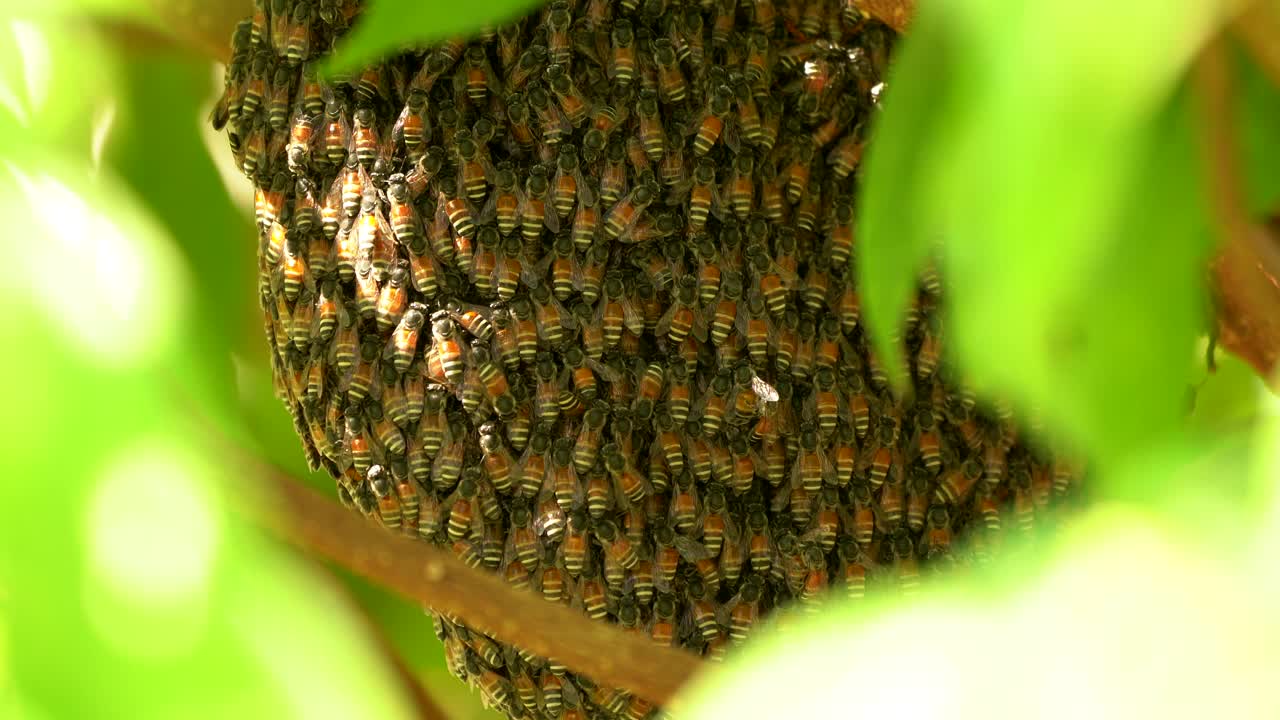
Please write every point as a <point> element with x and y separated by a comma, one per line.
<point>574,299</point>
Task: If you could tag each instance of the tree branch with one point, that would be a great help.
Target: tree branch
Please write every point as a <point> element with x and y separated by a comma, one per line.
<point>203,25</point>
<point>435,578</point>
<point>1248,264</point>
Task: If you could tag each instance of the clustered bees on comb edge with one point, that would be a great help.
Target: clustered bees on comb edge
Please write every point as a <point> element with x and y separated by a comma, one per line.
<point>574,300</point>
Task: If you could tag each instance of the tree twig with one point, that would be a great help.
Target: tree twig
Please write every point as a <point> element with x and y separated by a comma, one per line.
<point>1248,264</point>
<point>435,578</point>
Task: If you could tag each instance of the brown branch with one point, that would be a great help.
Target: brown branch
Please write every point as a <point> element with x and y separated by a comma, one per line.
<point>201,27</point>
<point>437,579</point>
<point>1248,264</point>
<point>204,25</point>
<point>1258,28</point>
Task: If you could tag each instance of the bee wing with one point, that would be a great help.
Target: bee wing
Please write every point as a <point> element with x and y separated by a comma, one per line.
<point>276,144</point>
<point>398,83</point>
<point>632,318</point>
<point>586,194</point>
<point>567,320</point>
<point>678,193</point>
<point>691,550</point>
<point>605,372</point>
<point>535,273</point>
<point>730,134</point>
<point>699,329</point>
<point>572,696</point>
<point>664,322</point>
<point>489,212</point>
<point>549,216</point>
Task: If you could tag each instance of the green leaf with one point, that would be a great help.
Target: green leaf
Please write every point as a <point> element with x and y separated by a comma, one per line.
<point>1226,400</point>
<point>156,145</point>
<point>149,591</point>
<point>55,83</point>
<point>1064,643</point>
<point>895,234</point>
<point>1257,117</point>
<point>1066,186</point>
<point>386,26</point>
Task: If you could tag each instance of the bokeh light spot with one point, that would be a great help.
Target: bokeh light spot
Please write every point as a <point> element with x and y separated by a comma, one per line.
<point>152,531</point>
<point>110,294</point>
<point>153,525</point>
<point>36,62</point>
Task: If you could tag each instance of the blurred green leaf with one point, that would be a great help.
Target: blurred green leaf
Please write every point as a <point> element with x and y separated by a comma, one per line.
<point>1074,640</point>
<point>410,632</point>
<point>56,83</point>
<point>1065,185</point>
<point>1226,400</point>
<point>894,234</point>
<point>388,25</point>
<point>145,589</point>
<point>157,147</point>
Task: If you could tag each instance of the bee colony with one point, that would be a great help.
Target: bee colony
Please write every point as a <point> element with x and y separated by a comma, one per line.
<point>574,300</point>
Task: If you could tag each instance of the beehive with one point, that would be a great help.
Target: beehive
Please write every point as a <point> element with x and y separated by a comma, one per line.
<point>574,299</point>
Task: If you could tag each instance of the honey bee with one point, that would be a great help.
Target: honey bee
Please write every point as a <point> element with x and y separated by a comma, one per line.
<point>681,320</point>
<point>672,86</point>
<point>553,124</point>
<point>365,143</point>
<point>383,301</point>
<point>447,348</point>
<point>552,320</point>
<point>255,89</point>
<point>562,479</point>
<point>503,205</point>
<point>927,440</point>
<point>845,157</point>
<point>741,186</point>
<point>652,135</point>
<point>569,186</point>
<point>404,341</point>
<point>279,105</point>
<point>255,154</point>
<point>484,261</point>
<point>389,510</point>
<point>536,211</point>
<point>510,269</point>
<point>622,59</point>
<point>631,486</point>
<point>685,504</point>
<point>571,100</point>
<point>475,77</point>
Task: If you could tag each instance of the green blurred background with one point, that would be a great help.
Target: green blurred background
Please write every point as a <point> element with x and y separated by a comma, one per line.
<point>129,587</point>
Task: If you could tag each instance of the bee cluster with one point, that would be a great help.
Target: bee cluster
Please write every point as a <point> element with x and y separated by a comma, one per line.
<point>574,300</point>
